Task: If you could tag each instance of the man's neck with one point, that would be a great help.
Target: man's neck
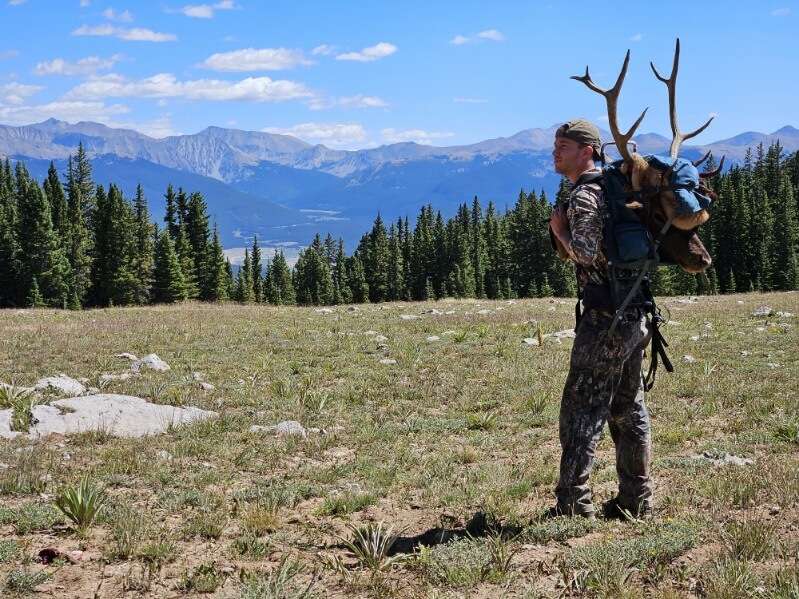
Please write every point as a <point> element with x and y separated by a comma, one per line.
<point>579,173</point>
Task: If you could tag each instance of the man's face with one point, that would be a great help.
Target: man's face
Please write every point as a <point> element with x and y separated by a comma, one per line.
<point>568,155</point>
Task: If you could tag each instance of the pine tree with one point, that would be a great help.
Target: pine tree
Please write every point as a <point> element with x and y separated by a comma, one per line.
<point>244,292</point>
<point>171,216</point>
<point>342,292</point>
<point>477,249</point>
<point>786,237</point>
<point>80,176</point>
<point>375,259</point>
<point>356,277</point>
<point>168,283</point>
<point>35,299</point>
<point>216,281</point>
<point>144,252</point>
<point>281,286</point>
<point>199,235</point>
<point>59,212</point>
<point>11,292</point>
<point>257,274</point>
<point>187,265</point>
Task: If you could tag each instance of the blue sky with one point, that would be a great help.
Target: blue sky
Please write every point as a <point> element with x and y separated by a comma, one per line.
<point>359,74</point>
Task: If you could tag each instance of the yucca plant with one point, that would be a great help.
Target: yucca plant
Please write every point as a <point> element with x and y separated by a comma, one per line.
<point>370,544</point>
<point>21,400</point>
<point>82,503</point>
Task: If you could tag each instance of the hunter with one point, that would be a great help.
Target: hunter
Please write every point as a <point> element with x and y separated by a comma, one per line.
<point>604,382</point>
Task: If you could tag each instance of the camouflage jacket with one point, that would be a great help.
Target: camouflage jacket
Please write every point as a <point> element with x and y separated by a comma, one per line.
<point>584,211</point>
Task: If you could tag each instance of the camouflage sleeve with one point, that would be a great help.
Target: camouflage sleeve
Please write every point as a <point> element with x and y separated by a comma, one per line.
<point>585,223</point>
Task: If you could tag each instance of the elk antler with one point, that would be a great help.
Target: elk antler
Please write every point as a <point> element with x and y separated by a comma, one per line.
<point>612,98</point>
<point>671,84</point>
<point>713,173</point>
<point>696,163</point>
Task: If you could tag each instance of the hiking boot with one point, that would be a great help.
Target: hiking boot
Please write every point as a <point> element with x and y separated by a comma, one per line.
<point>613,510</point>
<point>556,511</point>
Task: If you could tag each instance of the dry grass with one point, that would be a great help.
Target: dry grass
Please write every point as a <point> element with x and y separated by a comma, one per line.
<point>464,423</point>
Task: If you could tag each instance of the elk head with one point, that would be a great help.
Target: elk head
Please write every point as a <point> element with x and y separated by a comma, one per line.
<point>658,203</point>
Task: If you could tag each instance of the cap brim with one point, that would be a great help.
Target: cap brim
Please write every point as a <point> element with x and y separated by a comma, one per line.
<point>691,202</point>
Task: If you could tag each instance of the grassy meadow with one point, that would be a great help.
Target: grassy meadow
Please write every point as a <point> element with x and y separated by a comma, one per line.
<point>460,424</point>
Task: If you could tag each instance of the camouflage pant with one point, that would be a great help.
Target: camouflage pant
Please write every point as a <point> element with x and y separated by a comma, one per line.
<point>604,384</point>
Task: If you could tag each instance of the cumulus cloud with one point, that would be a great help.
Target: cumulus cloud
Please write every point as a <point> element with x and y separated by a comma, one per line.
<point>336,135</point>
<point>16,93</point>
<point>85,66</point>
<point>487,34</point>
<point>85,3</point>
<point>206,11</point>
<point>323,50</point>
<point>63,110</point>
<point>256,59</point>
<point>135,34</point>
<point>123,17</point>
<point>637,37</point>
<point>16,2</point>
<point>361,101</point>
<point>165,85</point>
<point>370,54</point>
<point>781,12</point>
<point>420,136</point>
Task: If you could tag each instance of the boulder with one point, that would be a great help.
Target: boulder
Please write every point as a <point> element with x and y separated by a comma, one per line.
<point>286,428</point>
<point>433,338</point>
<point>388,361</point>
<point>762,311</point>
<point>151,361</point>
<point>61,384</point>
<point>118,415</point>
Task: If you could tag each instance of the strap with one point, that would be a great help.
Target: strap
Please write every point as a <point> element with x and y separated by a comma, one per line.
<point>659,344</point>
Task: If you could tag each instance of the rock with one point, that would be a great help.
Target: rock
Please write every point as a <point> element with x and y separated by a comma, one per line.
<point>127,356</point>
<point>674,323</point>
<point>688,359</point>
<point>760,329</point>
<point>432,338</point>
<point>370,332</point>
<point>206,386</point>
<point>388,361</point>
<point>773,365</point>
<point>197,376</point>
<point>739,302</point>
<point>105,378</point>
<point>163,454</point>
<point>62,384</point>
<point>381,338</point>
<point>324,310</point>
<point>694,337</point>
<point>744,353</point>
<point>432,311</point>
<point>565,334</point>
<point>723,459</point>
<point>286,428</point>
<point>119,415</point>
<point>92,391</point>
<point>83,380</point>
<point>352,309</point>
<point>151,361</point>
<point>484,311</point>
<point>762,311</point>
<point>450,312</point>
<point>530,341</point>
<point>785,314</point>
<point>409,316</point>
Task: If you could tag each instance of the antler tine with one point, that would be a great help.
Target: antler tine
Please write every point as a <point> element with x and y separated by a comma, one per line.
<point>671,84</point>
<point>611,99</point>
<point>714,172</point>
<point>702,159</point>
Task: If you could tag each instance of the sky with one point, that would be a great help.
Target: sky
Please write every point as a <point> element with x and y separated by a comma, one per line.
<point>360,74</point>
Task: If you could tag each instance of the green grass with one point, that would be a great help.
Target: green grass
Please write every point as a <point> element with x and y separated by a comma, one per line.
<point>464,424</point>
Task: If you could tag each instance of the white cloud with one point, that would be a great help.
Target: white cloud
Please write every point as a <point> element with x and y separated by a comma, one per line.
<point>361,101</point>
<point>470,100</point>
<point>16,2</point>
<point>159,127</point>
<point>459,40</point>
<point>6,54</point>
<point>420,136</point>
<point>135,34</point>
<point>85,3</point>
<point>165,85</point>
<point>491,34</point>
<point>335,135</point>
<point>63,110</point>
<point>15,93</point>
<point>369,54</point>
<point>637,37</point>
<point>123,17</point>
<point>780,12</point>
<point>84,66</point>
<point>256,59</point>
<point>323,50</point>
<point>206,11</point>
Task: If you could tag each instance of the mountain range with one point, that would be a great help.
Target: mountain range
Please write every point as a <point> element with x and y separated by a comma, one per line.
<point>286,190</point>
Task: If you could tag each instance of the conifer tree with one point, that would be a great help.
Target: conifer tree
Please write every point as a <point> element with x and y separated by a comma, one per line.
<point>144,250</point>
<point>171,216</point>
<point>11,292</point>
<point>477,250</point>
<point>187,265</point>
<point>59,212</point>
<point>281,286</point>
<point>168,283</point>
<point>257,274</point>
<point>216,281</point>
<point>786,237</point>
<point>356,277</point>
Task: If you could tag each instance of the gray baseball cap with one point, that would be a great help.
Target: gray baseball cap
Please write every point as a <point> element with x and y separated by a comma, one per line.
<point>583,132</point>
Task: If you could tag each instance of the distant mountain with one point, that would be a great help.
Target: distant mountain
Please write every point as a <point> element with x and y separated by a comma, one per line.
<point>285,190</point>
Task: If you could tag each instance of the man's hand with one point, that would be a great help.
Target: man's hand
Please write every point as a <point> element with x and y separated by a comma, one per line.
<point>558,221</point>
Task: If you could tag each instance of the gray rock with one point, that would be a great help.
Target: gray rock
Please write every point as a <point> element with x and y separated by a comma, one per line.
<point>388,361</point>
<point>119,415</point>
<point>370,333</point>
<point>484,311</point>
<point>206,386</point>
<point>381,338</point>
<point>197,376</point>
<point>433,338</point>
<point>286,428</point>
<point>688,359</point>
<point>762,311</point>
<point>163,454</point>
<point>151,361</point>
<point>62,384</point>
<point>127,356</point>
<point>324,310</point>
<point>785,314</point>
<point>530,341</point>
<point>723,459</point>
<point>105,378</point>
<point>409,316</point>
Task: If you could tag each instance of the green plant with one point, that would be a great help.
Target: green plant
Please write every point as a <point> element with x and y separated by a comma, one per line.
<point>21,400</point>
<point>481,421</point>
<point>728,579</point>
<point>205,578</point>
<point>346,503</point>
<point>30,517</point>
<point>8,550</point>
<point>81,503</point>
<point>280,583</point>
<point>370,545</point>
<point>250,546</point>
<point>750,539</point>
<point>128,529</point>
<point>29,471</point>
<point>24,581</point>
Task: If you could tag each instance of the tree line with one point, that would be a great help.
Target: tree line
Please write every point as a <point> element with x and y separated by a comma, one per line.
<point>72,244</point>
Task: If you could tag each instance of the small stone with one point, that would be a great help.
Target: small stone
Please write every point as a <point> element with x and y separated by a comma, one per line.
<point>688,359</point>
<point>773,365</point>
<point>785,314</point>
<point>324,310</point>
<point>127,356</point>
<point>744,353</point>
<point>530,341</point>
<point>724,459</point>
<point>92,391</point>
<point>61,384</point>
<point>105,378</point>
<point>380,338</point>
<point>151,361</point>
<point>694,337</point>
<point>762,311</point>
<point>288,428</point>
<point>565,334</point>
<point>388,361</point>
<point>432,338</point>
<point>484,311</point>
<point>450,312</point>
<point>197,376</point>
<point>760,329</point>
<point>409,316</point>
<point>370,333</point>
<point>163,454</point>
<point>432,311</point>
<point>206,386</point>
<point>774,510</point>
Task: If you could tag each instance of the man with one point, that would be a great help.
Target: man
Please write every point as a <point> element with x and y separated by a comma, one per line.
<point>604,381</point>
